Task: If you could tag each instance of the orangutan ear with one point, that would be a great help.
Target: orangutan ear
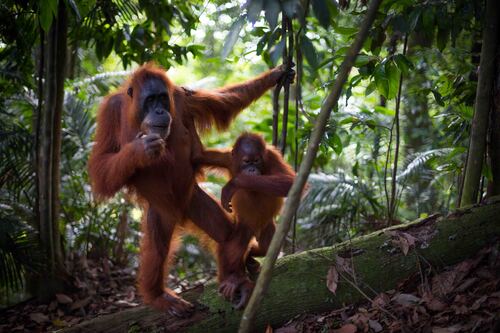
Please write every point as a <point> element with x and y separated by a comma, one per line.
<point>130,91</point>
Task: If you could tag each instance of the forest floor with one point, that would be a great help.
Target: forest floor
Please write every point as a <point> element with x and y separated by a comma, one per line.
<point>100,288</point>
<point>462,298</point>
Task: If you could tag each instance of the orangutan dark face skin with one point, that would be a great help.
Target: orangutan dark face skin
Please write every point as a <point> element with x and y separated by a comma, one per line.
<point>249,153</point>
<point>154,104</point>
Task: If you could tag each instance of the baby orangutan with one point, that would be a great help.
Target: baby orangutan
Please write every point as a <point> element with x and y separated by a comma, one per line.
<point>260,178</point>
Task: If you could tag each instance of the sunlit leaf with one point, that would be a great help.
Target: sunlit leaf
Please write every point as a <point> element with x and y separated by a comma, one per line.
<point>403,63</point>
<point>383,110</point>
<point>48,9</point>
<point>232,36</point>
<point>335,143</point>
<point>254,7</point>
<point>346,30</point>
<point>381,80</point>
<point>277,51</point>
<point>370,88</point>
<point>322,12</point>
<point>309,51</point>
<point>272,10</point>
<point>362,59</point>
<point>262,43</point>
<point>392,75</point>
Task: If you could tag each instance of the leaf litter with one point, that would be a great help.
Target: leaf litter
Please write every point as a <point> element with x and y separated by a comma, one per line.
<point>462,298</point>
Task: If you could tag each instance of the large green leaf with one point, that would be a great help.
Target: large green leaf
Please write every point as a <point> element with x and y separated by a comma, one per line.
<point>392,75</point>
<point>309,51</point>
<point>381,80</point>
<point>48,9</point>
<point>272,9</point>
<point>322,12</point>
<point>232,36</point>
<point>254,7</point>
<point>277,51</point>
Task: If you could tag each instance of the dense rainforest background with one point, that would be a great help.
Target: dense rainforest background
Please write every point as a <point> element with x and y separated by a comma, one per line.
<point>416,130</point>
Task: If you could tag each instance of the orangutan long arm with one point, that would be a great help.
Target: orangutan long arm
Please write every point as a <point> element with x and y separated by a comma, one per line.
<point>220,106</point>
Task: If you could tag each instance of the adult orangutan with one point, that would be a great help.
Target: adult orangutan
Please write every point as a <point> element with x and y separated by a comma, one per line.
<point>145,140</point>
<point>260,178</point>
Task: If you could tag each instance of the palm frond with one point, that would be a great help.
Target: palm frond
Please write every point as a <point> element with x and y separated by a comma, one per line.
<point>79,125</point>
<point>418,162</point>
<point>16,169</point>
<point>19,251</point>
<point>99,84</point>
<point>333,199</point>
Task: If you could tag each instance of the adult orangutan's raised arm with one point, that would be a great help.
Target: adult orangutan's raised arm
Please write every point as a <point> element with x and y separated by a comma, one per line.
<point>220,106</point>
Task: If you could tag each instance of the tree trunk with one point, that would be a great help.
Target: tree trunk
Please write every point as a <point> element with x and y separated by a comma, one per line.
<point>477,145</point>
<point>494,142</point>
<point>49,151</point>
<point>299,281</point>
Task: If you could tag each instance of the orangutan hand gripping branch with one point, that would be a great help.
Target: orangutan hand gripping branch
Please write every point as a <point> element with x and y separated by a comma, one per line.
<point>145,140</point>
<point>260,178</point>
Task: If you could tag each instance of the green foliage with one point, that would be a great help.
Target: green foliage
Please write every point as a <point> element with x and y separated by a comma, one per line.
<point>139,31</point>
<point>19,251</point>
<point>47,11</point>
<point>330,211</point>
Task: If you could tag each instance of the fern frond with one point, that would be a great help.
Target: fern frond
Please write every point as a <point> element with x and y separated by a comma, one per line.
<point>418,162</point>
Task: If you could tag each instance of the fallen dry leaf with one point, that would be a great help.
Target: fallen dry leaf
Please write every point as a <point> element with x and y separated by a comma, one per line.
<point>59,323</point>
<point>332,279</point>
<point>451,329</point>
<point>63,299</point>
<point>286,330</point>
<point>348,328</point>
<point>344,265</point>
<point>39,318</point>
<point>81,303</point>
<point>375,325</point>
<point>466,284</point>
<point>433,303</point>
<point>478,302</point>
<point>406,299</point>
<point>436,305</point>
<point>443,283</point>
<point>381,300</point>
<point>403,240</point>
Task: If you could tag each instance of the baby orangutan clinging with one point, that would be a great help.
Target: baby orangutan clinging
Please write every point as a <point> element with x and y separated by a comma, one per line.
<point>260,178</point>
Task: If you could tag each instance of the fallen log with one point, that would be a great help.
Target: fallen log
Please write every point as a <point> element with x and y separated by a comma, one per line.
<point>366,265</point>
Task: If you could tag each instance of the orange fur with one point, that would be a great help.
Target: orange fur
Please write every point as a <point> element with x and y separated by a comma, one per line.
<point>256,199</point>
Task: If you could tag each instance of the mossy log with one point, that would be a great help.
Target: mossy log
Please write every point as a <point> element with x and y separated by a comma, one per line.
<point>299,281</point>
